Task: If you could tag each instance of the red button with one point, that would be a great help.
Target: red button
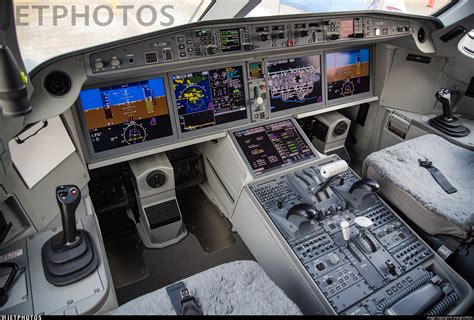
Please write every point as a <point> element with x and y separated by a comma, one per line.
<point>74,192</point>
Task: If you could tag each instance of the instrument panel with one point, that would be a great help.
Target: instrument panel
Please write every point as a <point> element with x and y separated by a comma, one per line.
<point>219,75</point>
<point>194,102</point>
<point>229,40</point>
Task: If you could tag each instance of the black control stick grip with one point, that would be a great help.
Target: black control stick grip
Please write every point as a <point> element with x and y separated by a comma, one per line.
<point>365,184</point>
<point>444,96</point>
<point>68,198</point>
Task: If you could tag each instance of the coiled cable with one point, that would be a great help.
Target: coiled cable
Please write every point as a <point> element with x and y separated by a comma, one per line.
<point>445,303</point>
<point>404,292</point>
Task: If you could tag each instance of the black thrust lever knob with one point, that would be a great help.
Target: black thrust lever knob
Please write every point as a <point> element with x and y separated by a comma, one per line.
<point>365,184</point>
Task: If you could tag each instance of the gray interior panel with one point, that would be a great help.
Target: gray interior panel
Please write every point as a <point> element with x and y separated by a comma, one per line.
<point>424,75</point>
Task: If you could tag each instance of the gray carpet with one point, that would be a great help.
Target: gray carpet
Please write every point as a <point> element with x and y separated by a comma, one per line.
<point>184,259</point>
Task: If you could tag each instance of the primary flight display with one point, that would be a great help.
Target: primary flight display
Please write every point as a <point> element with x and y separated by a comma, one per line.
<point>347,73</point>
<point>126,114</point>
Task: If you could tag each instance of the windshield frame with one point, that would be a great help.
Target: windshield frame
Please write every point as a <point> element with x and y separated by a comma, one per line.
<point>445,8</point>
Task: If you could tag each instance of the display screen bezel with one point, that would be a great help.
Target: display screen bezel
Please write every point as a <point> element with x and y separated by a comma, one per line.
<point>129,149</point>
<point>354,97</point>
<point>278,169</point>
<point>212,129</point>
<point>308,107</point>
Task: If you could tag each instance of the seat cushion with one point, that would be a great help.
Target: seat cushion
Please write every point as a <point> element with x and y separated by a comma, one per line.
<point>236,288</point>
<point>415,192</point>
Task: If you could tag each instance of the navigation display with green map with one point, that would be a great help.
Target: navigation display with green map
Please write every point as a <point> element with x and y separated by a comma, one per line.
<point>210,98</point>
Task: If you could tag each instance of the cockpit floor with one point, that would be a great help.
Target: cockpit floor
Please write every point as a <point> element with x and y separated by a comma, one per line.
<point>180,261</point>
<point>137,270</point>
<point>201,216</point>
<point>124,248</point>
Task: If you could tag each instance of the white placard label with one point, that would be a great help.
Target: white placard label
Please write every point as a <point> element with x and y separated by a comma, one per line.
<point>11,255</point>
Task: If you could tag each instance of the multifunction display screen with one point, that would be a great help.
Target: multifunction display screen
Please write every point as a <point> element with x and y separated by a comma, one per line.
<point>348,73</point>
<point>210,98</point>
<point>126,114</point>
<point>294,82</point>
<point>272,146</point>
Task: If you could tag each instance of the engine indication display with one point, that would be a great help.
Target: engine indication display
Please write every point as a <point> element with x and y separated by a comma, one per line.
<point>347,28</point>
<point>210,98</point>
<point>230,40</point>
<point>348,73</point>
<point>126,114</point>
<point>272,146</point>
<point>294,82</point>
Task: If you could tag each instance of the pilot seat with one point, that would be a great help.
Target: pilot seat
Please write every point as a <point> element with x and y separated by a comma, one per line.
<point>408,175</point>
<point>236,288</point>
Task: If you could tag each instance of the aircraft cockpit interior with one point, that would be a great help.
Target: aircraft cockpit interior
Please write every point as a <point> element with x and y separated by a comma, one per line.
<point>248,162</point>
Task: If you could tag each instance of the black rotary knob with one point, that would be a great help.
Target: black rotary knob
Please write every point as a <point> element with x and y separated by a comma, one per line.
<point>304,33</point>
<point>211,50</point>
<point>156,179</point>
<point>264,37</point>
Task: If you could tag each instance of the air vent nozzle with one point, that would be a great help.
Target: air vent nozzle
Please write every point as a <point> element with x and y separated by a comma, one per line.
<point>57,83</point>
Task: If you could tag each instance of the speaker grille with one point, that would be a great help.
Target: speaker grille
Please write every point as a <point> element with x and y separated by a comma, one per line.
<point>162,214</point>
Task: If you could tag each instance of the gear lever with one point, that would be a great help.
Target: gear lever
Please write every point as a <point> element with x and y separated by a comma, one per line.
<point>447,123</point>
